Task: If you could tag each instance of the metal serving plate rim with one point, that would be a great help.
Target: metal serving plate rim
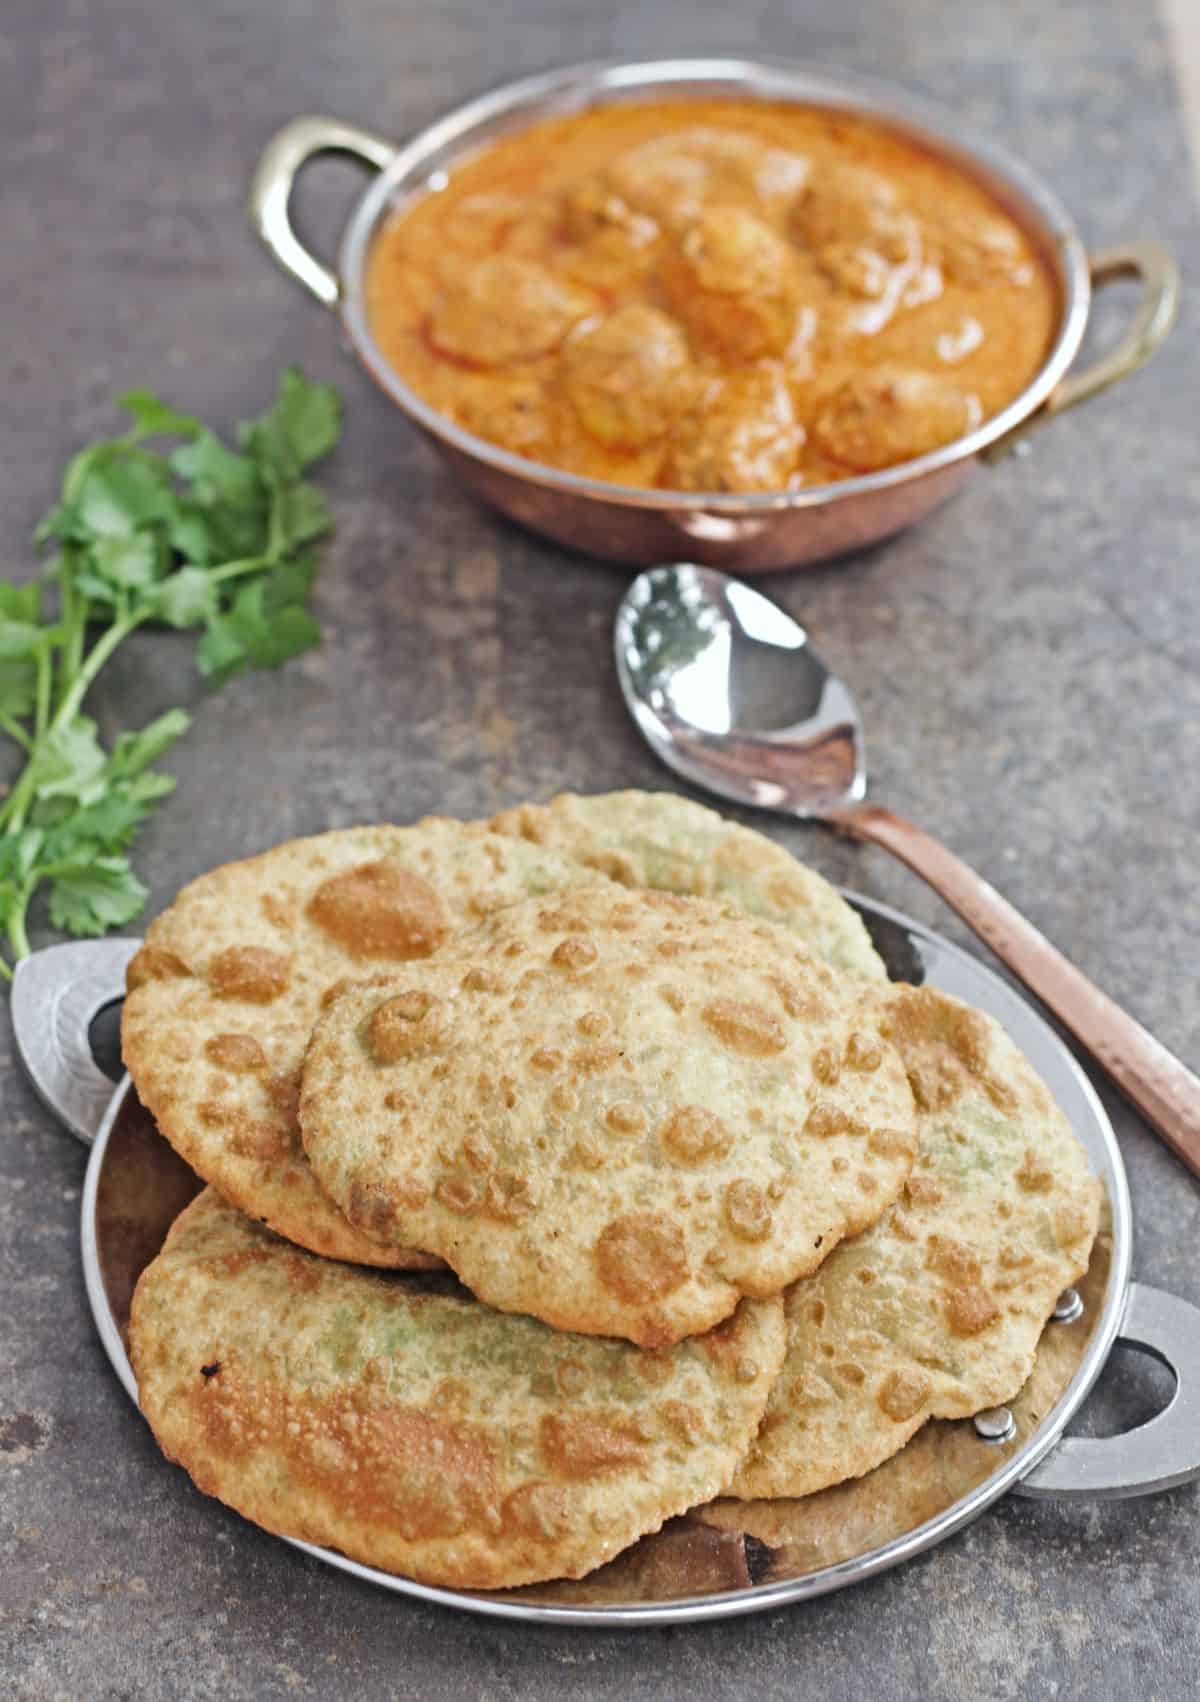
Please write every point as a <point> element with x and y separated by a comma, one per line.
<point>772,77</point>
<point>757,1598</point>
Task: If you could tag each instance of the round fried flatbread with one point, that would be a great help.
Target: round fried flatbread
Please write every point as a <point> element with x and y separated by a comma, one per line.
<point>936,1311</point>
<point>618,1111</point>
<point>417,1430</point>
<point>658,840</point>
<point>225,991</point>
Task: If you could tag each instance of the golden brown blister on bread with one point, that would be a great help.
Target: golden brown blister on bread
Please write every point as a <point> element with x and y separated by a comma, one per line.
<point>937,1310</point>
<point>658,840</point>
<point>225,991</point>
<point>418,1431</point>
<point>618,1111</point>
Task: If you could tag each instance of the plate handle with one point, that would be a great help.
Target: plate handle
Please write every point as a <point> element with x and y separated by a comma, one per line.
<point>1154,266</point>
<point>1160,1454</point>
<point>56,993</point>
<point>279,165</point>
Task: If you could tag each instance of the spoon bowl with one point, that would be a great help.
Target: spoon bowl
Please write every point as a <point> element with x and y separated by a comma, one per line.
<point>729,692</point>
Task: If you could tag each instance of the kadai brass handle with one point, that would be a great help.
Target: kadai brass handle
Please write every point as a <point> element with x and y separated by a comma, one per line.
<point>1153,265</point>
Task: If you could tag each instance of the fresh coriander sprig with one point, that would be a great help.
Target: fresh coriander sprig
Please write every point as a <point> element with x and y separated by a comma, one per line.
<point>204,538</point>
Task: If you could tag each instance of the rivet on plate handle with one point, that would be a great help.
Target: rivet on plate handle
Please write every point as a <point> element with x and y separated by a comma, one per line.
<point>997,1424</point>
<point>1160,1454</point>
<point>1144,259</point>
<point>1068,1307</point>
<point>56,993</point>
<point>279,165</point>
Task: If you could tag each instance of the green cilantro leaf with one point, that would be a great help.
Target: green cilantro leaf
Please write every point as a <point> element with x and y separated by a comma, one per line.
<point>290,582</point>
<point>79,466</point>
<point>153,418</point>
<point>99,590</point>
<point>70,762</point>
<point>302,424</point>
<point>300,515</point>
<point>220,654</point>
<point>20,602</point>
<point>57,524</point>
<point>218,531</point>
<point>18,688</point>
<point>145,788</point>
<point>251,637</point>
<point>191,532</point>
<point>188,598</point>
<point>10,855</point>
<point>108,825</point>
<point>119,495</point>
<point>20,638</point>
<point>29,843</point>
<point>215,473</point>
<point>134,752</point>
<point>96,895</point>
<point>131,563</point>
<point>270,638</point>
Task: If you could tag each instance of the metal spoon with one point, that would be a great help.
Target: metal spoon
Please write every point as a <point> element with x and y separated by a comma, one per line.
<point>728,691</point>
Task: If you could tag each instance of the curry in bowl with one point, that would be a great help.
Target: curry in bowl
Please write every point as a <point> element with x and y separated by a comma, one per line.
<point>711,295</point>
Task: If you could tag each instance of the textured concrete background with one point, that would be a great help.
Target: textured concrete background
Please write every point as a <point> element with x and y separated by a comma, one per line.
<point>1028,663</point>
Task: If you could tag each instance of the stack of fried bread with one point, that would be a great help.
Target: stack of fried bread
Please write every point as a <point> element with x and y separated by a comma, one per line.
<point>565,1173</point>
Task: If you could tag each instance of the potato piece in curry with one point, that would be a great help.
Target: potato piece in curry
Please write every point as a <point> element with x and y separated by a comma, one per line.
<point>711,295</point>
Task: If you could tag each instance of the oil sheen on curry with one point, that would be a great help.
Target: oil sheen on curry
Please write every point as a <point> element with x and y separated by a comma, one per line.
<point>711,296</point>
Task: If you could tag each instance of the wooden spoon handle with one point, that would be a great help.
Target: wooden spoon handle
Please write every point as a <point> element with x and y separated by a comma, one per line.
<point>1154,1081</point>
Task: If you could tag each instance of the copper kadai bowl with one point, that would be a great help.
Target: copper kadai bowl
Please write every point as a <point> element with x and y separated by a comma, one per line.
<point>743,533</point>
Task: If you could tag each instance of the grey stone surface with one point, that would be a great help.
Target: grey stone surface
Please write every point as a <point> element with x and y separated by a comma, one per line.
<point>1028,661</point>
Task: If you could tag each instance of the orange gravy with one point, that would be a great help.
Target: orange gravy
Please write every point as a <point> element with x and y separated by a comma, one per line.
<point>711,295</point>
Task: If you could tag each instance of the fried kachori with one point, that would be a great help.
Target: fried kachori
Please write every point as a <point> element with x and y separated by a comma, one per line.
<point>224,993</point>
<point>417,1430</point>
<point>658,840</point>
<point>618,1111</point>
<point>936,1311</point>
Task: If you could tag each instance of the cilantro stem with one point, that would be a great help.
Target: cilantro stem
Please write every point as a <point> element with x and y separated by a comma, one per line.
<point>42,710</point>
<point>15,731</point>
<point>17,937</point>
<point>96,658</point>
<point>16,807</point>
<point>275,526</point>
<point>51,871</point>
<point>75,615</point>
<point>66,593</point>
<point>234,569</point>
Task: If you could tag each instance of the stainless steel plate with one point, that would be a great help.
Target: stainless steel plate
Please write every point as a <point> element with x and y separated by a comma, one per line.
<point>732,1558</point>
